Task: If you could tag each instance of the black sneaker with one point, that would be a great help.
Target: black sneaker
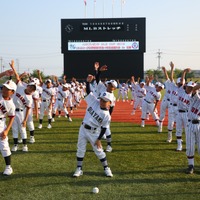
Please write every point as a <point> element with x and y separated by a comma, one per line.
<point>190,169</point>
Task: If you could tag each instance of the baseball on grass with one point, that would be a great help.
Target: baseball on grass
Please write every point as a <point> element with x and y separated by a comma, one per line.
<point>95,190</point>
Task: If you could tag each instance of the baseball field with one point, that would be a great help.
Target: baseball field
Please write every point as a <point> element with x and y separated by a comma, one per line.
<point>144,165</point>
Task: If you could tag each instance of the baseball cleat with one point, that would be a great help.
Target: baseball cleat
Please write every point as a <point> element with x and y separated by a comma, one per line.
<point>78,172</point>
<point>25,148</point>
<point>14,148</point>
<point>169,140</point>
<point>40,126</point>
<point>8,171</point>
<point>58,116</point>
<point>32,139</point>
<point>109,148</point>
<point>108,172</point>
<point>52,120</point>
<point>70,119</point>
<point>190,169</point>
<point>49,126</point>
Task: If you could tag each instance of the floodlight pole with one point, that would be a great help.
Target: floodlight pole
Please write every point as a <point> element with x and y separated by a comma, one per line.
<point>159,57</point>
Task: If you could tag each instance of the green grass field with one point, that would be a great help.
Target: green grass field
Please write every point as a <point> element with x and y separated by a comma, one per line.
<point>143,164</point>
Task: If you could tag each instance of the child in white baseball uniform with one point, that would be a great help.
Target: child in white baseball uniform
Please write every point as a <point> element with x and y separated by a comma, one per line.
<point>23,103</point>
<point>61,100</point>
<point>193,128</point>
<point>151,100</point>
<point>173,106</point>
<point>140,93</point>
<point>166,99</point>
<point>35,96</point>
<point>46,101</point>
<point>97,116</point>
<point>7,108</point>
<point>184,95</point>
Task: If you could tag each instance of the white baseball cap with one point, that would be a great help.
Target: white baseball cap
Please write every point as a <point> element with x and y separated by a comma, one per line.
<point>65,85</point>
<point>32,84</point>
<point>10,85</point>
<point>113,83</point>
<point>179,80</point>
<point>161,85</point>
<point>35,80</point>
<point>48,80</point>
<point>106,96</point>
<point>142,82</point>
<point>191,84</point>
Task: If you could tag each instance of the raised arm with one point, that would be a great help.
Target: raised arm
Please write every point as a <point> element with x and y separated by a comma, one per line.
<point>171,64</point>
<point>12,65</point>
<point>56,80</point>
<point>187,70</point>
<point>165,73</point>
<point>98,71</point>
<point>6,73</point>
<point>64,79</point>
<point>40,78</point>
<point>132,80</point>
<point>88,81</point>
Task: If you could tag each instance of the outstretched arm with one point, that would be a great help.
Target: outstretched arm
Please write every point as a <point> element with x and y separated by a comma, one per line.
<point>88,81</point>
<point>6,73</point>
<point>172,71</point>
<point>187,70</point>
<point>165,73</point>
<point>40,78</point>
<point>12,65</point>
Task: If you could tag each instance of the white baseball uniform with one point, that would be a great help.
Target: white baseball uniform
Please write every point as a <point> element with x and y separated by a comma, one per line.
<point>61,96</point>
<point>183,106</point>
<point>193,127</point>
<point>173,107</point>
<point>7,108</point>
<point>94,118</point>
<point>148,104</point>
<point>22,101</point>
<point>140,94</point>
<point>46,96</point>
<point>165,101</point>
<point>182,117</point>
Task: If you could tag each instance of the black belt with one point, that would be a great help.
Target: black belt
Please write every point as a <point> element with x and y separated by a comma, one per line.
<point>18,110</point>
<point>194,121</point>
<point>140,97</point>
<point>45,100</point>
<point>1,118</point>
<point>182,111</point>
<point>168,99</point>
<point>173,104</point>
<point>59,99</point>
<point>147,101</point>
<point>88,127</point>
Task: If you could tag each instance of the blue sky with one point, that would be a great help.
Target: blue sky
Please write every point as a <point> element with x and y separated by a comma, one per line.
<point>30,30</point>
